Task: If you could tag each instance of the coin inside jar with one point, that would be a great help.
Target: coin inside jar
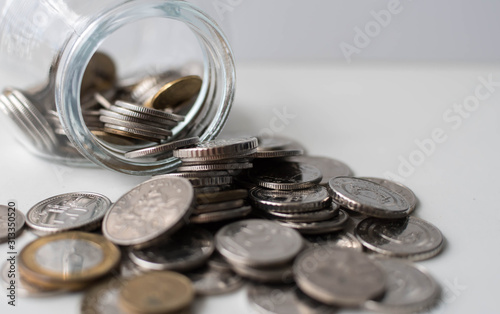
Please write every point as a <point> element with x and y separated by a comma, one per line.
<point>69,260</point>
<point>176,93</point>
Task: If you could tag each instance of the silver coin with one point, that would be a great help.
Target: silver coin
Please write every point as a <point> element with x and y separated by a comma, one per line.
<point>185,250</point>
<point>134,133</point>
<point>149,111</point>
<point>169,202</point>
<point>313,216</point>
<point>133,125</point>
<point>141,116</point>
<point>82,211</point>
<point>410,288</point>
<point>285,175</point>
<point>412,238</point>
<point>11,222</point>
<point>101,100</point>
<point>368,198</point>
<point>234,160</point>
<point>215,207</point>
<point>23,289</point>
<point>121,114</point>
<point>212,281</point>
<point>300,201</point>
<point>284,299</point>
<point>221,215</point>
<point>274,274</point>
<point>257,242</point>
<point>335,224</point>
<point>103,298</point>
<point>341,239</point>
<point>338,276</point>
<point>329,167</point>
<point>198,174</point>
<point>217,261</point>
<point>277,153</point>
<point>209,181</point>
<point>403,190</point>
<point>218,149</point>
<point>223,196</point>
<point>163,148</point>
<point>211,167</point>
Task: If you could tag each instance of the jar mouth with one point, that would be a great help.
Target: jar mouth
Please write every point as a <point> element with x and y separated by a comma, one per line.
<point>206,117</point>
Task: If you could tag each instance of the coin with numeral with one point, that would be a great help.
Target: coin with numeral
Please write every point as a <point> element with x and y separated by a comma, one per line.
<point>11,219</point>
<point>71,211</point>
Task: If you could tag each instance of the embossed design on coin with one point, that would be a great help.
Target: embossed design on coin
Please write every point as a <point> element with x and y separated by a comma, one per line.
<point>284,175</point>
<point>15,216</point>
<point>411,237</point>
<point>68,260</point>
<point>341,276</point>
<point>70,211</point>
<point>410,288</point>
<point>149,211</point>
<point>103,298</point>
<point>368,198</point>
<point>311,199</point>
<point>257,242</point>
<point>187,249</point>
<point>403,190</point>
<point>341,239</point>
<point>212,281</point>
<point>317,227</point>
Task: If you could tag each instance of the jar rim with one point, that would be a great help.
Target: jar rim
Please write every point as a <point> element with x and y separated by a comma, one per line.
<point>82,46</point>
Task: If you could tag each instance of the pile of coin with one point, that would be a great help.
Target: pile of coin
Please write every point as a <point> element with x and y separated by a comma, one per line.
<point>299,239</point>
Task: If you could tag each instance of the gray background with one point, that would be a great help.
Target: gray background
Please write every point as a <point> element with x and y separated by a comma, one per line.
<point>424,30</point>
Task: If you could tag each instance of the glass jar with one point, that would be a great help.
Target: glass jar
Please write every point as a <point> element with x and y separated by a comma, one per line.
<point>45,50</point>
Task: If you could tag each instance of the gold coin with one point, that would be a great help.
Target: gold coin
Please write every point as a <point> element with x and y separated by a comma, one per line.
<point>176,93</point>
<point>156,292</point>
<point>68,260</point>
<point>100,74</point>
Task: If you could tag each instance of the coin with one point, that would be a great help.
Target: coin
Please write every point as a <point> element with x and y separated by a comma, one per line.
<point>285,175</point>
<point>300,201</point>
<point>329,167</point>
<point>218,149</point>
<point>399,188</point>
<point>113,138</point>
<point>272,274</point>
<point>341,239</point>
<point>149,111</point>
<point>412,238</point>
<point>368,198</point>
<point>216,207</point>
<point>137,117</point>
<point>185,250</point>
<point>199,174</point>
<point>410,288</point>
<point>156,292</point>
<point>67,260</point>
<point>218,262</point>
<point>163,148</point>
<point>11,222</point>
<point>176,92</point>
<point>273,143</point>
<point>325,226</point>
<point>133,133</point>
<point>338,276</point>
<point>213,281</point>
<point>223,196</point>
<point>258,242</point>
<point>284,299</point>
<point>312,216</point>
<point>103,101</point>
<point>277,153</point>
<point>221,215</point>
<point>102,298</point>
<point>210,167</point>
<point>169,202</point>
<point>82,211</point>
<point>100,73</point>
<point>134,125</point>
<point>208,181</point>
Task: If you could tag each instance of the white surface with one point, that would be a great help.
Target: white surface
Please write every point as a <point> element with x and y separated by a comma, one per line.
<point>366,115</point>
